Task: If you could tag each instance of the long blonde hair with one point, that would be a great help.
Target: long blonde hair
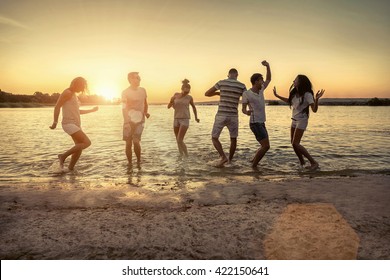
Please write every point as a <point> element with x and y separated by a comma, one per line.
<point>79,82</point>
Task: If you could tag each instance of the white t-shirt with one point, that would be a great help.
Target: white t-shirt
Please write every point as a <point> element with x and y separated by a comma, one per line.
<point>298,107</point>
<point>257,104</point>
<point>134,102</point>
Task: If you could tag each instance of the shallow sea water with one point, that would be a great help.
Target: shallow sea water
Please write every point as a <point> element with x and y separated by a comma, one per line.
<point>346,141</point>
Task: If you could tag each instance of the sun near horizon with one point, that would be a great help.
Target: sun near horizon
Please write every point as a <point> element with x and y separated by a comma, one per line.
<point>342,46</point>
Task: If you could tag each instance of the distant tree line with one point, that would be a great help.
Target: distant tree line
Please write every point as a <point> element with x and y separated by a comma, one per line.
<point>379,102</point>
<point>48,99</point>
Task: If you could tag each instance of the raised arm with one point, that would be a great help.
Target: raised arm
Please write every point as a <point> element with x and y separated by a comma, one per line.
<point>319,94</point>
<point>212,92</point>
<point>171,102</point>
<point>280,97</point>
<point>194,109</point>
<point>268,77</point>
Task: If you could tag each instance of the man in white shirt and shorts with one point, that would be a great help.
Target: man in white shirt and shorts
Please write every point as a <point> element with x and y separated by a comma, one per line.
<point>254,99</point>
<point>134,110</point>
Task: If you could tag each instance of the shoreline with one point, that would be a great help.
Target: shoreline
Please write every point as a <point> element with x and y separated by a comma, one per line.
<point>212,220</point>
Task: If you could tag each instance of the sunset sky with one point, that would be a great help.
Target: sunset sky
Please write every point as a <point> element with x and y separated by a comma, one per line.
<point>341,45</point>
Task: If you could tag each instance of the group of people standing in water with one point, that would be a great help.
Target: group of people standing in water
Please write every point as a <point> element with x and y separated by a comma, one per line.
<point>135,109</point>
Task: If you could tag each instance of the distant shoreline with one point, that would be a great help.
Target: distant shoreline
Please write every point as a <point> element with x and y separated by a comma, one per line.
<point>323,102</point>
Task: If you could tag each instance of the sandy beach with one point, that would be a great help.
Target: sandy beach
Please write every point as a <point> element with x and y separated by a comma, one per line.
<point>310,218</point>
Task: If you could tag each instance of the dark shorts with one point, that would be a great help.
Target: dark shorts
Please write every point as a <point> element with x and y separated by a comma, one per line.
<point>259,131</point>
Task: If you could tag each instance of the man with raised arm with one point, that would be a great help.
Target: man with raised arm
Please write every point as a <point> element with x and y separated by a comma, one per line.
<point>253,99</point>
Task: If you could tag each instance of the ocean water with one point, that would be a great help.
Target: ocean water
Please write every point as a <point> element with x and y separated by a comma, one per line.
<point>346,141</point>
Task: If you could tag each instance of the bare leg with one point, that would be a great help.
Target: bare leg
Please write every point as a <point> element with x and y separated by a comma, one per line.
<point>82,142</point>
<point>62,160</point>
<point>176,130</point>
<point>218,147</point>
<point>129,144</point>
<point>297,152</point>
<point>233,146</point>
<point>180,139</point>
<point>137,150</point>
<point>261,152</point>
<point>297,146</point>
<point>75,157</point>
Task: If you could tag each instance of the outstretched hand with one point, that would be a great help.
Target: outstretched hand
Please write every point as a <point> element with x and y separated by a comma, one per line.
<point>320,93</point>
<point>275,93</point>
<point>265,63</point>
<point>94,109</point>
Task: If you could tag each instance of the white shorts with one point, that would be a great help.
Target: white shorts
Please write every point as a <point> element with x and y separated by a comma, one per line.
<point>181,122</point>
<point>70,128</point>
<point>231,122</point>
<point>301,124</point>
<point>133,131</point>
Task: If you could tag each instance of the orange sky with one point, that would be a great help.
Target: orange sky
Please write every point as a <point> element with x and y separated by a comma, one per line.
<point>341,46</point>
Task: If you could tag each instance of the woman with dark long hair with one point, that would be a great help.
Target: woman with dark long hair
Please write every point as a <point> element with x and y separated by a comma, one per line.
<point>301,97</point>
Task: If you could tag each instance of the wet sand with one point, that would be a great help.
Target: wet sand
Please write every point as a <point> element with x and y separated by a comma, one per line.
<point>220,219</point>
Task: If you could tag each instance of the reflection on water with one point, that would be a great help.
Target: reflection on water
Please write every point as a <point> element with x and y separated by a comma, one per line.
<point>344,140</point>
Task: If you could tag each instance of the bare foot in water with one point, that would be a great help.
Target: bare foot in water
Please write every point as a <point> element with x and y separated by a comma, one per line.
<point>313,166</point>
<point>62,160</point>
<point>222,162</point>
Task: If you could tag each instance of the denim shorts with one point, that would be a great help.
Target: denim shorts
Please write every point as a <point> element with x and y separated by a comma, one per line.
<point>259,130</point>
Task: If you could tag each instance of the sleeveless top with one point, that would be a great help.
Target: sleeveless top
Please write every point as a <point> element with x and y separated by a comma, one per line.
<point>181,106</point>
<point>70,111</point>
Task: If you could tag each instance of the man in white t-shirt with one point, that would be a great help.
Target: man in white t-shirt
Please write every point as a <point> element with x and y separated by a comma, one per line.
<point>134,110</point>
<point>254,99</point>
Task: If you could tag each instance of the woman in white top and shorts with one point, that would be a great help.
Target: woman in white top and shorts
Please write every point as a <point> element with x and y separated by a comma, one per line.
<point>301,97</point>
<point>180,102</point>
<point>71,123</point>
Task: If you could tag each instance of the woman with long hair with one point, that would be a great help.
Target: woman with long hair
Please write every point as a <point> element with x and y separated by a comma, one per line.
<point>301,97</point>
<point>180,102</point>
<point>71,122</point>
